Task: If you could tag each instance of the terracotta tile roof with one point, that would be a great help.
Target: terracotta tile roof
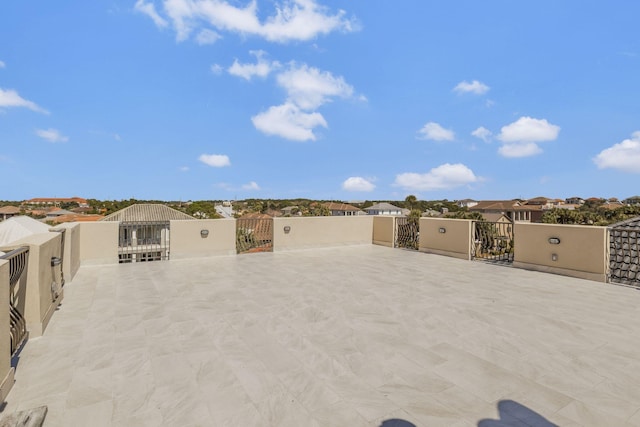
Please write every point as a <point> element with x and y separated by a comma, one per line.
<point>9,210</point>
<point>340,207</point>
<point>76,218</point>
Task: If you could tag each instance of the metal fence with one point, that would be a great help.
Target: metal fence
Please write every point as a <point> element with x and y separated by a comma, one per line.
<point>254,235</point>
<point>18,260</point>
<point>492,241</point>
<point>624,255</point>
<point>407,233</point>
<point>143,241</point>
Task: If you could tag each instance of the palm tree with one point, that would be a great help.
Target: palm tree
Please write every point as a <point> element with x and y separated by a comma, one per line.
<point>409,201</point>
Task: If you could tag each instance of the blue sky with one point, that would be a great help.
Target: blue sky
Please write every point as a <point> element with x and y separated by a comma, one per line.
<point>321,99</point>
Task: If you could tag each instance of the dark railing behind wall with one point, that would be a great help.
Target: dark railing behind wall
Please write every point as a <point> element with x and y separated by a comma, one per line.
<point>624,255</point>
<point>407,233</point>
<point>18,260</point>
<point>254,235</point>
<point>492,241</point>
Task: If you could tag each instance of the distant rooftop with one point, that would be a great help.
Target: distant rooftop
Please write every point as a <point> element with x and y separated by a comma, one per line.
<point>147,212</point>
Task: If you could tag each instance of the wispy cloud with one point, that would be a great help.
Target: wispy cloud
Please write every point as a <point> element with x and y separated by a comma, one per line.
<point>2,64</point>
<point>443,177</point>
<point>262,68</point>
<point>215,160</point>
<point>207,37</point>
<point>623,156</point>
<point>149,9</point>
<point>11,98</point>
<point>183,168</point>
<point>291,20</point>
<point>520,138</point>
<point>217,69</point>
<point>252,186</point>
<point>475,87</point>
<point>482,133</point>
<point>307,88</point>
<point>358,183</point>
<point>51,135</point>
<point>435,132</point>
<point>289,121</point>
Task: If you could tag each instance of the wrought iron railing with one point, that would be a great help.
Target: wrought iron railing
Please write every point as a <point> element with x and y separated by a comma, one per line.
<point>143,241</point>
<point>624,256</point>
<point>407,233</point>
<point>492,241</point>
<point>254,235</point>
<point>18,260</point>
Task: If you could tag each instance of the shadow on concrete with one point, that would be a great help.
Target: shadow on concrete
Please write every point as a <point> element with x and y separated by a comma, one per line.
<point>397,423</point>
<point>515,414</point>
<point>511,413</point>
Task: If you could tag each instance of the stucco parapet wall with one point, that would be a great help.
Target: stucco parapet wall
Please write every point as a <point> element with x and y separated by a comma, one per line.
<point>384,230</point>
<point>446,236</point>
<point>321,231</point>
<point>571,250</point>
<point>99,242</point>
<point>202,237</point>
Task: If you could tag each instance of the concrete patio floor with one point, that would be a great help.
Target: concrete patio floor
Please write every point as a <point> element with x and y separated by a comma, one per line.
<point>353,336</point>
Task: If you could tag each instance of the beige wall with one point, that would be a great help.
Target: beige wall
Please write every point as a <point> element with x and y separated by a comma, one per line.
<point>322,231</point>
<point>40,301</point>
<point>71,248</point>
<point>99,242</point>
<point>582,252</point>
<point>384,230</point>
<point>454,242</point>
<point>6,371</point>
<point>186,241</point>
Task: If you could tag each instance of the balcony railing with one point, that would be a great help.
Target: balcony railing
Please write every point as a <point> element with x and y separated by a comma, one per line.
<point>18,260</point>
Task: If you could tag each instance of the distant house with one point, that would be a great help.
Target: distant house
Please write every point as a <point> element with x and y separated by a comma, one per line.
<point>54,201</point>
<point>74,217</point>
<point>496,217</point>
<point>291,211</point>
<point>635,200</point>
<point>7,212</point>
<point>145,231</point>
<point>466,203</point>
<point>56,212</point>
<point>574,201</point>
<point>342,209</point>
<point>384,209</point>
<point>512,209</point>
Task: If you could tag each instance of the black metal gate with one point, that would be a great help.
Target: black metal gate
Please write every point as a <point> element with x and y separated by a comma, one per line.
<point>492,241</point>
<point>143,241</point>
<point>18,260</point>
<point>407,233</point>
<point>254,235</point>
<point>624,256</point>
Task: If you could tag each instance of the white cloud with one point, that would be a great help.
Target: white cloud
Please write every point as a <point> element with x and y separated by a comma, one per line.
<point>474,87</point>
<point>215,160</point>
<point>624,156</point>
<point>443,177</point>
<point>289,121</point>
<point>520,138</point>
<point>207,36</point>
<point>528,129</point>
<point>11,98</point>
<point>51,135</point>
<point>292,20</point>
<point>216,69</point>
<point>519,149</point>
<point>309,87</point>
<point>260,69</point>
<point>251,186</point>
<point>482,133</point>
<point>357,183</point>
<point>435,132</point>
<point>149,9</point>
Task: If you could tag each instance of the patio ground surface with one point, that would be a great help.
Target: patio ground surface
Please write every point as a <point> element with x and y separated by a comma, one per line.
<point>351,336</point>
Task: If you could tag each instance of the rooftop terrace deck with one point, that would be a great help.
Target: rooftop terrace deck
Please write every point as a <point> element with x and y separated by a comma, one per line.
<point>353,336</point>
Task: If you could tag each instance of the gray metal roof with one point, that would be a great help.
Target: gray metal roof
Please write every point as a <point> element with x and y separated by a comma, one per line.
<point>383,207</point>
<point>630,223</point>
<point>147,212</point>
